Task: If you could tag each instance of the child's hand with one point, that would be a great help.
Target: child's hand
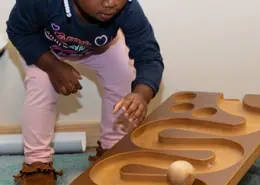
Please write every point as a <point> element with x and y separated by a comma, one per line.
<point>134,107</point>
<point>65,79</point>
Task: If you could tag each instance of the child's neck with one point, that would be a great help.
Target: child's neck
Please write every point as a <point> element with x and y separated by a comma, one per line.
<point>87,19</point>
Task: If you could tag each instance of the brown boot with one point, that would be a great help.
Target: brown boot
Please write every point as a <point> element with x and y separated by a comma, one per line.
<point>37,174</point>
<point>100,151</point>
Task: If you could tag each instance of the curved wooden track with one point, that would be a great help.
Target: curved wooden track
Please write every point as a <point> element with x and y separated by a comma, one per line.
<point>220,137</point>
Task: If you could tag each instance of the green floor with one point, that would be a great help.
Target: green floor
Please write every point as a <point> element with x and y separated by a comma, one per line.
<point>74,165</point>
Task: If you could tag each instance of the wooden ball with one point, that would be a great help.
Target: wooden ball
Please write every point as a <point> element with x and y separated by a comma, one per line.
<point>181,173</point>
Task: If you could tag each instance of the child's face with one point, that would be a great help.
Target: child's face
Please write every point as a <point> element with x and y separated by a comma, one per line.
<point>102,10</point>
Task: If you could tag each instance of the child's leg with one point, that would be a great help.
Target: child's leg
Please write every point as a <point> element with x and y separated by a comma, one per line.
<point>115,73</point>
<point>39,116</point>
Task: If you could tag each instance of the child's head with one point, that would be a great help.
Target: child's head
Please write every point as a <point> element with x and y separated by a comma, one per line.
<point>101,10</point>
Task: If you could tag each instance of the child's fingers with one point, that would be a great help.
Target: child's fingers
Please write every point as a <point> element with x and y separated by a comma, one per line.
<point>70,87</point>
<point>126,104</point>
<point>78,86</point>
<point>77,74</point>
<point>118,106</point>
<point>75,81</point>
<point>138,113</point>
<point>63,90</point>
<point>142,117</point>
<point>131,109</point>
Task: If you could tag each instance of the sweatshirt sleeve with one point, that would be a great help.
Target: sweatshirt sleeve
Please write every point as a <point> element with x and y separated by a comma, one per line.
<point>143,47</point>
<point>25,29</point>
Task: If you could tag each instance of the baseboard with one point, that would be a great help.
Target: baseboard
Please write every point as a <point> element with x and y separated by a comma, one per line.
<point>92,128</point>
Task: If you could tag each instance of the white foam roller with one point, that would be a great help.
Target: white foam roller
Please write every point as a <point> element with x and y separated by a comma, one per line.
<point>63,142</point>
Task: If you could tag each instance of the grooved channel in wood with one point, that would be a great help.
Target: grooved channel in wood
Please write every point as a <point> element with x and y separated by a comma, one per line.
<point>142,172</point>
<point>219,137</point>
<point>204,112</point>
<point>184,96</point>
<point>138,172</point>
<point>182,107</point>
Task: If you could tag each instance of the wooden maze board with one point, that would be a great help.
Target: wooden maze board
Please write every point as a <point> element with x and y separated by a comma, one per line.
<point>219,137</point>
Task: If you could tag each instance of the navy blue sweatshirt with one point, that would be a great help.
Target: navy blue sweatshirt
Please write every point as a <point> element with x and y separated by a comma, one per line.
<point>37,26</point>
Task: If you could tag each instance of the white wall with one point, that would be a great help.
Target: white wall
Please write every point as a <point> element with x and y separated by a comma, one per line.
<point>207,46</point>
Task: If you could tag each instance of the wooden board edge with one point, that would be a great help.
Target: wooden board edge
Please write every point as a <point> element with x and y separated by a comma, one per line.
<point>92,129</point>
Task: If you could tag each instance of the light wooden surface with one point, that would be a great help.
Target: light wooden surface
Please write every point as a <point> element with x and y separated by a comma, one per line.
<point>219,137</point>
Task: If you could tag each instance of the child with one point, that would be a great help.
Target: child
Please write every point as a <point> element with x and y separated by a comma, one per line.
<point>46,32</point>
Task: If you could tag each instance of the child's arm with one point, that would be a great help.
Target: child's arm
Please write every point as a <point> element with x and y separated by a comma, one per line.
<point>144,49</point>
<point>25,28</point>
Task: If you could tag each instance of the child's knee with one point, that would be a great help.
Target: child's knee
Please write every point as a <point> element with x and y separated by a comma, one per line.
<point>37,83</point>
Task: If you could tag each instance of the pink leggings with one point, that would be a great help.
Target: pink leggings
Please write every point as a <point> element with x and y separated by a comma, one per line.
<point>114,72</point>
